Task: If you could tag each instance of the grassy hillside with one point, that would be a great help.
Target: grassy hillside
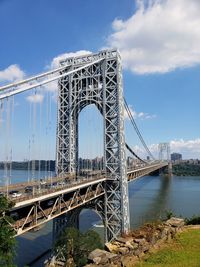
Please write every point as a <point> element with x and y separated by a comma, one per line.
<point>184,251</point>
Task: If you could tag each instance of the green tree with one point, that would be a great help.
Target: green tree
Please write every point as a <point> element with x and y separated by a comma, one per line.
<point>7,240</point>
<point>74,244</point>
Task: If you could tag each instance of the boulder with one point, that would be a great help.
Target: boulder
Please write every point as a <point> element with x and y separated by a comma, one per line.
<point>124,239</point>
<point>123,250</point>
<point>112,247</point>
<point>99,256</point>
<point>140,241</point>
<point>130,245</point>
<point>175,222</point>
<point>97,260</point>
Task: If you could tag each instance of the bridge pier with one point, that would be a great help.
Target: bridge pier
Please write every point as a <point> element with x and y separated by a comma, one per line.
<point>167,170</point>
<point>170,169</point>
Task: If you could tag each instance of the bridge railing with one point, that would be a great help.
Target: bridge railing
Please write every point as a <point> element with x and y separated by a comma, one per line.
<point>46,191</point>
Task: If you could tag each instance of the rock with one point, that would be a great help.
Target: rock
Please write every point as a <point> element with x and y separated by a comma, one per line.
<point>138,252</point>
<point>113,248</point>
<point>145,247</point>
<point>128,261</point>
<point>164,232</point>
<point>99,256</point>
<point>130,245</point>
<point>135,245</point>
<point>140,241</point>
<point>123,250</point>
<point>155,236</point>
<point>175,222</point>
<point>152,240</point>
<point>116,243</point>
<point>124,239</point>
<point>97,260</point>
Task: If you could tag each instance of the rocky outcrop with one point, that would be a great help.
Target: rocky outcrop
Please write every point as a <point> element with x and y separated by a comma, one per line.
<point>125,251</point>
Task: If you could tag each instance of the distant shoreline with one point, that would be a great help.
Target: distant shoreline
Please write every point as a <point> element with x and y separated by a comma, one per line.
<point>181,169</point>
<point>37,165</point>
<point>186,169</point>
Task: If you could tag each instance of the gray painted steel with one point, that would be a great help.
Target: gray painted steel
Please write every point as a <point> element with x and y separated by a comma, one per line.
<point>99,84</point>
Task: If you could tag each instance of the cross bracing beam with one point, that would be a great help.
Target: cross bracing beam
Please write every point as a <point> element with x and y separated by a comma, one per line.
<point>16,88</point>
<point>76,92</point>
<point>39,210</point>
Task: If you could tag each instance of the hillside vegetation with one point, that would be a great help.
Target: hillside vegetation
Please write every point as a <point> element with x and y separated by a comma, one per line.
<point>186,169</point>
<point>183,251</point>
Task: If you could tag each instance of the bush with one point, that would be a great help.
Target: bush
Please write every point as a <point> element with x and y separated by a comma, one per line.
<point>7,240</point>
<point>74,244</point>
<point>194,220</point>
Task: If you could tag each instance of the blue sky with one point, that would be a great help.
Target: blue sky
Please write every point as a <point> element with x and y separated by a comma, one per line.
<point>160,46</point>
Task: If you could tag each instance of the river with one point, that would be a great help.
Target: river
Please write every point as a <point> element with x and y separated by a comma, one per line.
<point>149,199</point>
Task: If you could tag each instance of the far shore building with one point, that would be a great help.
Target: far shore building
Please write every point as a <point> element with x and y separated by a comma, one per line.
<point>176,157</point>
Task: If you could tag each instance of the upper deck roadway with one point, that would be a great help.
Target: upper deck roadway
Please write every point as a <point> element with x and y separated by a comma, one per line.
<point>59,195</point>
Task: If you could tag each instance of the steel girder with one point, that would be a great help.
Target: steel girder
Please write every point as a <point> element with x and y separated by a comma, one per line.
<point>99,84</point>
<point>39,212</point>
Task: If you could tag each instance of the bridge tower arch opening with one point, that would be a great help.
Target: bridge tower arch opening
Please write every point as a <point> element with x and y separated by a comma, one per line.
<point>77,218</point>
<point>90,141</point>
<point>100,84</point>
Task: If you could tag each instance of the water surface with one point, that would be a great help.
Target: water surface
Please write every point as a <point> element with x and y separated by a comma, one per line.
<point>149,198</point>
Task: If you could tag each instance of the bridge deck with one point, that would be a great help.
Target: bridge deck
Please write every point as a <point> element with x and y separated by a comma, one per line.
<point>45,203</point>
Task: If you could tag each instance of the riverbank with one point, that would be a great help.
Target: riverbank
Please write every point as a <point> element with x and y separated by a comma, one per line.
<point>186,169</point>
<point>130,249</point>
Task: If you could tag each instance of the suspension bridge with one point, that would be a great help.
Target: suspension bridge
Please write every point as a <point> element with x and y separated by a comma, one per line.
<point>94,79</point>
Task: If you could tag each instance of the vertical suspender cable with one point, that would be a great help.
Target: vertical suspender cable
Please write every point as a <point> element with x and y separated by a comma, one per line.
<point>1,126</point>
<point>34,136</point>
<point>39,140</point>
<point>6,162</point>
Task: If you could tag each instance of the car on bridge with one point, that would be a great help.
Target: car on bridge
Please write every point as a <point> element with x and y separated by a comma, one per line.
<point>28,189</point>
<point>15,194</point>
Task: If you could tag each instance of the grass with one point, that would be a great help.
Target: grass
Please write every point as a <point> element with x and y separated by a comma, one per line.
<point>184,251</point>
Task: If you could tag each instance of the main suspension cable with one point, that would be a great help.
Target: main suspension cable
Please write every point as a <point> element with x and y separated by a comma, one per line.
<point>136,129</point>
<point>134,154</point>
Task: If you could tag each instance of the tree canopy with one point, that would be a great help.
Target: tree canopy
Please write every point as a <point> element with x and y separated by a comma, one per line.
<point>7,240</point>
<point>76,245</point>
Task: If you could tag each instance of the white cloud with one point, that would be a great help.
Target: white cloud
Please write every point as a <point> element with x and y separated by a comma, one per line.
<point>138,115</point>
<point>53,86</point>
<point>188,148</point>
<point>161,35</point>
<point>12,73</point>
<point>36,98</point>
<point>55,62</point>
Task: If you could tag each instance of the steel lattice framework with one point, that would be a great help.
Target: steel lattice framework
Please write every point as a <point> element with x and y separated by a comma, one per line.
<point>164,151</point>
<point>99,84</point>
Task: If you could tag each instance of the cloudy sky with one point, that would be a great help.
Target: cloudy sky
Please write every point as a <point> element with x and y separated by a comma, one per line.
<point>159,41</point>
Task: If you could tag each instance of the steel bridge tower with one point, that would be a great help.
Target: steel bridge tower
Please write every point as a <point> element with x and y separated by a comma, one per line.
<point>99,84</point>
<point>164,151</point>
